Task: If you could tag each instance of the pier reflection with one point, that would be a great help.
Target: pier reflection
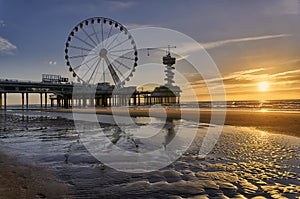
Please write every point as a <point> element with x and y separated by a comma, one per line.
<point>170,132</point>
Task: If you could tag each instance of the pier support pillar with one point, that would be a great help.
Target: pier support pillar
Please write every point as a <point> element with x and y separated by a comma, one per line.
<point>134,100</point>
<point>66,102</point>
<point>23,101</point>
<point>104,101</point>
<point>5,100</point>
<point>27,101</point>
<point>79,102</point>
<point>84,102</point>
<point>0,100</point>
<point>41,100</point>
<point>97,102</point>
<point>92,103</point>
<point>58,102</point>
<point>45,100</point>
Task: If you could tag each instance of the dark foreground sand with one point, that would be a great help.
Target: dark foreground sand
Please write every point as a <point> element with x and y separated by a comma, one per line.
<point>22,180</point>
<point>275,122</point>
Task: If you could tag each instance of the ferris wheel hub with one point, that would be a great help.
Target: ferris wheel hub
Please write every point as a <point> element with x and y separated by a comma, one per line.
<point>103,53</point>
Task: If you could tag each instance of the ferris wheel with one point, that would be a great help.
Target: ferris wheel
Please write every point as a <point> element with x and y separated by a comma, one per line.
<point>101,50</point>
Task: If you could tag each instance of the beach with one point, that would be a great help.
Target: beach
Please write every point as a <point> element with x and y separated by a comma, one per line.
<point>256,156</point>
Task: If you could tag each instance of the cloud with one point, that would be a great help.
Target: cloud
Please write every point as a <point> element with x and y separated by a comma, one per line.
<point>133,26</point>
<point>246,75</point>
<point>236,81</point>
<point>220,43</point>
<point>6,47</point>
<point>235,76</point>
<point>249,71</point>
<point>121,4</point>
<point>52,63</point>
<point>191,47</point>
<point>252,76</point>
<point>285,73</point>
<point>277,8</point>
<point>2,24</point>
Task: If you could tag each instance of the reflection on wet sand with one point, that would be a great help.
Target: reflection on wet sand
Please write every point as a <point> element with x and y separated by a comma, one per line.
<point>170,134</point>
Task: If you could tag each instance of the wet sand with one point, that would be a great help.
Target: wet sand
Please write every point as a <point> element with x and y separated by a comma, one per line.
<point>245,163</point>
<point>275,122</point>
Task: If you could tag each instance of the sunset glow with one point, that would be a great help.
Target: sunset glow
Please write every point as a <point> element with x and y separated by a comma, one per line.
<point>263,86</point>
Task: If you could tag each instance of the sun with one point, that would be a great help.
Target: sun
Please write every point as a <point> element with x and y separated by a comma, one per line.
<point>263,86</point>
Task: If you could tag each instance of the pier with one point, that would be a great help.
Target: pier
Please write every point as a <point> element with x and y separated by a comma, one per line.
<point>89,60</point>
<point>61,94</point>
<point>25,88</point>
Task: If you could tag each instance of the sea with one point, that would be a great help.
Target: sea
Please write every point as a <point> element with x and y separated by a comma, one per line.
<point>250,105</point>
<point>255,105</point>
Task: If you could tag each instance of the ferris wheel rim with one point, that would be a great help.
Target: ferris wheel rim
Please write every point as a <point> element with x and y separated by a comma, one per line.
<point>102,20</point>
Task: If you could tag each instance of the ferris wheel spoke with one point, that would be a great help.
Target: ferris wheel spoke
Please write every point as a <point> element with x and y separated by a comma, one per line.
<point>129,49</point>
<point>113,40</point>
<point>81,48</point>
<point>121,56</point>
<point>121,64</point>
<point>85,62</point>
<point>108,34</point>
<point>102,31</point>
<point>77,56</point>
<point>119,44</point>
<point>89,36</point>
<point>84,41</point>
<point>96,74</point>
<point>117,69</point>
<point>99,60</point>
<point>89,69</point>
<point>104,71</point>
<point>95,33</point>
<point>112,71</point>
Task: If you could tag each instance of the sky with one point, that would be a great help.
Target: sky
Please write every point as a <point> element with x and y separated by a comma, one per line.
<point>250,41</point>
